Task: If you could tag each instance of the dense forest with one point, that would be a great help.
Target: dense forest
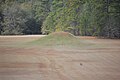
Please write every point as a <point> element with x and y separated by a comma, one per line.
<point>79,17</point>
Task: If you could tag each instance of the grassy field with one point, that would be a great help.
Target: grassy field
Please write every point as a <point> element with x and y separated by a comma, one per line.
<point>59,56</point>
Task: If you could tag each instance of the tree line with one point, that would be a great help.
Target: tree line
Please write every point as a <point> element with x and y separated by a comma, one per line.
<point>79,17</point>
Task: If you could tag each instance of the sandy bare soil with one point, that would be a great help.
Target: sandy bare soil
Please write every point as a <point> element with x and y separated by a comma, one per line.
<point>35,63</point>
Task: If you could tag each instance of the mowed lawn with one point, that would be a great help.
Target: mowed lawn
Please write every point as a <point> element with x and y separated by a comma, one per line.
<point>88,58</point>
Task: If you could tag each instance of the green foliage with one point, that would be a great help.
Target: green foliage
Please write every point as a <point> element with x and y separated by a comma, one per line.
<point>84,17</point>
<point>19,18</point>
<point>14,20</point>
<point>41,9</point>
<point>79,17</point>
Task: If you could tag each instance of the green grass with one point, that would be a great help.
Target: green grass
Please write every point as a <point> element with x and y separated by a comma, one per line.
<point>58,39</point>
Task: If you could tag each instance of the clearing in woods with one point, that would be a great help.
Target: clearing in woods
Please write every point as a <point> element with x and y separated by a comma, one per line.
<point>59,56</point>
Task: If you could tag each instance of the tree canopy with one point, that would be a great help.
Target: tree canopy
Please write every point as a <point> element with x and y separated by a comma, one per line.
<point>79,17</point>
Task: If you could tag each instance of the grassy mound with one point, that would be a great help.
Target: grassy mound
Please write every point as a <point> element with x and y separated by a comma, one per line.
<point>56,38</point>
<point>62,34</point>
<point>59,39</point>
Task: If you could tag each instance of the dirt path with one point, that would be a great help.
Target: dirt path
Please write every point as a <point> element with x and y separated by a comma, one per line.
<point>34,63</point>
<point>21,36</point>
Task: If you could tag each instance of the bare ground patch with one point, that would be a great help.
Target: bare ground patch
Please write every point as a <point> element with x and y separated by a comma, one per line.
<point>36,63</point>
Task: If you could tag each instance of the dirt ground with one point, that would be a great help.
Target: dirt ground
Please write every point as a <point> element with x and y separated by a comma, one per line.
<point>36,63</point>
